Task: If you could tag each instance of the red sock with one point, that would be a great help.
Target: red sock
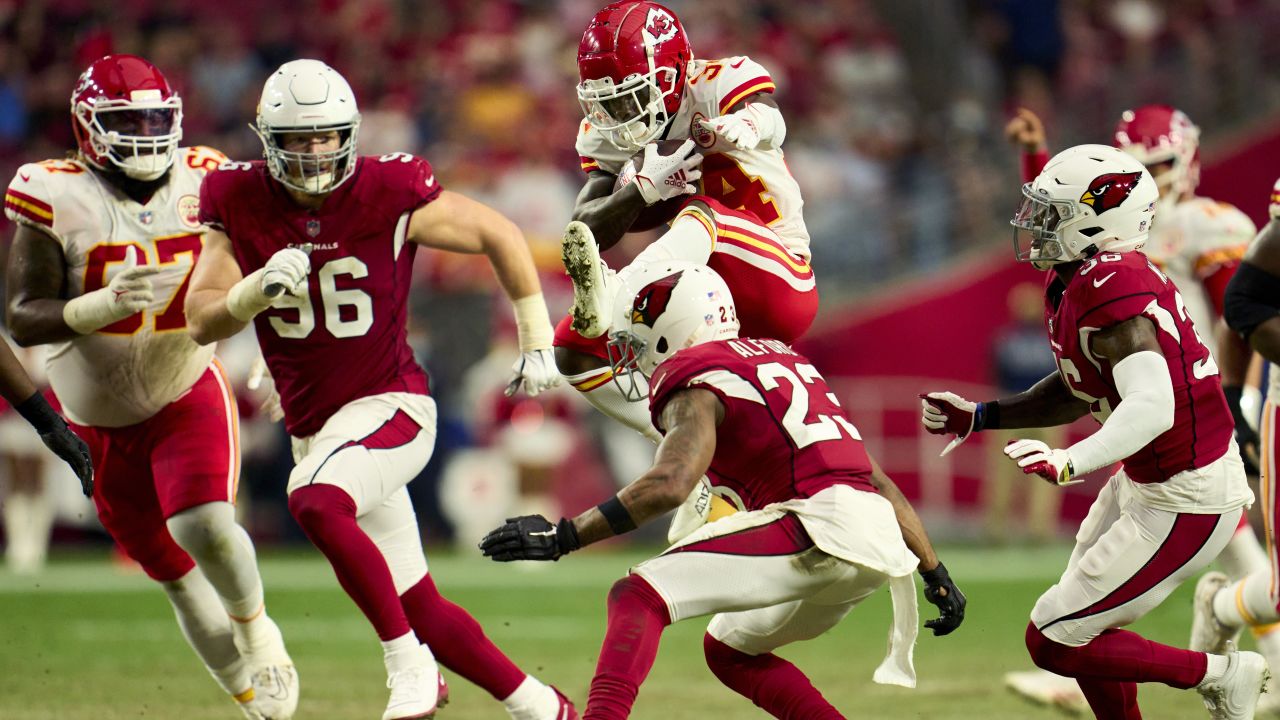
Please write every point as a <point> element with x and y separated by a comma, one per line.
<point>773,684</point>
<point>327,515</point>
<point>637,617</point>
<point>458,641</point>
<point>1119,655</point>
<point>1111,699</point>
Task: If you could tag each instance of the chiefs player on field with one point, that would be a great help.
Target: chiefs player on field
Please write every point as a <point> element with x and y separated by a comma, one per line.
<point>640,84</point>
<point>1198,242</point>
<point>100,263</point>
<point>822,527</point>
<point>315,246</point>
<point>1128,353</point>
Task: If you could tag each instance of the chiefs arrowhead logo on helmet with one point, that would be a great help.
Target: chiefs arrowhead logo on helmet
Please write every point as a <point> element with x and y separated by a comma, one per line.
<point>659,26</point>
<point>1110,191</point>
<point>653,298</point>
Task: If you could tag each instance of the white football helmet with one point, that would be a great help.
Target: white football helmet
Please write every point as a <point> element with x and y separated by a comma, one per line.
<point>1088,199</point>
<point>308,96</point>
<point>664,308</point>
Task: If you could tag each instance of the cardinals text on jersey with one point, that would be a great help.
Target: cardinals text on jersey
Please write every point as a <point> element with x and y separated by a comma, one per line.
<point>127,371</point>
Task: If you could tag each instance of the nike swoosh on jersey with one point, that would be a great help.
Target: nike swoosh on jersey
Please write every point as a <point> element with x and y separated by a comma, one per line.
<point>738,64</point>
<point>1097,282</point>
<point>25,177</point>
<point>431,180</point>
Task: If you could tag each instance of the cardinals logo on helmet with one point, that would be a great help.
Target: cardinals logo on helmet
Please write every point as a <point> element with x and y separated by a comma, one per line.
<point>652,300</point>
<point>659,26</point>
<point>1110,191</point>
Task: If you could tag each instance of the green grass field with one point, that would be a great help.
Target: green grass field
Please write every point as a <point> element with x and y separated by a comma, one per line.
<point>83,641</point>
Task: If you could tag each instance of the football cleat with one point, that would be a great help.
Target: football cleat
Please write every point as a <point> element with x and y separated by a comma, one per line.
<point>276,691</point>
<point>1208,633</point>
<point>1235,695</point>
<point>415,691</point>
<point>592,301</point>
<point>248,705</point>
<point>566,710</point>
<point>1045,688</point>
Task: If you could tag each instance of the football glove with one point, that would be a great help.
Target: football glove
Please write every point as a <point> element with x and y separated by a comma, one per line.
<point>128,293</point>
<point>738,128</point>
<point>663,177</point>
<point>530,537</point>
<point>286,272</point>
<point>59,438</point>
<point>535,371</point>
<point>1246,438</point>
<point>940,590</point>
<point>1037,458</point>
<point>946,412</point>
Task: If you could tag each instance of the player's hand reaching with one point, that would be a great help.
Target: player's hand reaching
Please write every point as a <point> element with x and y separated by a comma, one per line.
<point>1037,458</point>
<point>286,272</point>
<point>530,537</point>
<point>1026,131</point>
<point>940,590</point>
<point>738,128</point>
<point>947,413</point>
<point>67,445</point>
<point>535,371</point>
<point>662,177</point>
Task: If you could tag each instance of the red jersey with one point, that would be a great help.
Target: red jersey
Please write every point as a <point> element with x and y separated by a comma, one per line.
<point>1107,290</point>
<point>784,434</point>
<point>348,338</point>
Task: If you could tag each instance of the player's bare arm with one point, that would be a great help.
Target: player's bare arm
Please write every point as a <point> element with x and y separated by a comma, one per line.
<point>913,532</point>
<point>1252,305</point>
<point>215,274</point>
<point>35,279</point>
<point>1048,403</point>
<point>15,384</point>
<point>609,214</point>
<point>691,417</point>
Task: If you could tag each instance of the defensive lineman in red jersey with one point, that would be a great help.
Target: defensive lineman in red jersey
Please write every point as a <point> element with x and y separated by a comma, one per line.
<point>315,247</point>
<point>821,529</point>
<point>105,245</point>
<point>1128,354</point>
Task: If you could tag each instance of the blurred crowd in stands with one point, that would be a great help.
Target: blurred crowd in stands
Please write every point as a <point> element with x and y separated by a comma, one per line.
<point>894,111</point>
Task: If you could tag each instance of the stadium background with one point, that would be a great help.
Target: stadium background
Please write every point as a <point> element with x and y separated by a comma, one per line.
<point>895,110</point>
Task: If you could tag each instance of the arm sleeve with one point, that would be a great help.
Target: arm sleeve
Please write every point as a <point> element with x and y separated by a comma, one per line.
<point>1145,411</point>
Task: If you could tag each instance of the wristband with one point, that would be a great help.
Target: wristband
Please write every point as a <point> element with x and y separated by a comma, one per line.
<point>615,513</point>
<point>532,326</point>
<point>567,536</point>
<point>37,411</point>
<point>987,416</point>
<point>936,576</point>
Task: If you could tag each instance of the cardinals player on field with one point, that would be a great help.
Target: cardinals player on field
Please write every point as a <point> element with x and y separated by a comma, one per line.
<point>822,528</point>
<point>736,207</point>
<point>1198,243</point>
<point>1127,353</point>
<point>315,246</point>
<point>100,263</point>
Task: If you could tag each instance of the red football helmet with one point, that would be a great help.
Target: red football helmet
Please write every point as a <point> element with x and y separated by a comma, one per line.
<point>632,61</point>
<point>1158,134</point>
<point>124,114</point>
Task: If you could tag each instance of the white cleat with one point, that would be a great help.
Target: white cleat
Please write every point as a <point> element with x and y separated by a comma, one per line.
<point>276,691</point>
<point>1208,634</point>
<point>1235,695</point>
<point>415,691</point>
<point>592,302</point>
<point>1045,688</point>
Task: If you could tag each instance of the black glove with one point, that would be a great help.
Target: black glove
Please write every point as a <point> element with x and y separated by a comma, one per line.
<point>530,537</point>
<point>942,592</point>
<point>59,438</point>
<point>1246,438</point>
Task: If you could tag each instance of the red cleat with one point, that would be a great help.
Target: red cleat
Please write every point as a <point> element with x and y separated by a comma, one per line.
<point>566,711</point>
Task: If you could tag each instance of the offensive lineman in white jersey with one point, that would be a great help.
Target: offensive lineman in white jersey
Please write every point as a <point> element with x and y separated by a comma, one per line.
<point>105,244</point>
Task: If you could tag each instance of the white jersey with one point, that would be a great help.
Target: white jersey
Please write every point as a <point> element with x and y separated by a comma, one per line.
<point>1190,242</point>
<point>755,181</point>
<point>127,371</point>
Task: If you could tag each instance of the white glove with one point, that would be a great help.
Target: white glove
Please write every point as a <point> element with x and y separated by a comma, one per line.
<point>536,370</point>
<point>663,177</point>
<point>1037,458</point>
<point>128,293</point>
<point>261,382</point>
<point>738,128</point>
<point>286,272</point>
<point>946,412</point>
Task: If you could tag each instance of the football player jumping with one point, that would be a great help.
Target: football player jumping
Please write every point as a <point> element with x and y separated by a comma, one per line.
<point>736,207</point>
<point>822,528</point>
<point>1129,354</point>
<point>1198,242</point>
<point>315,246</point>
<point>100,263</point>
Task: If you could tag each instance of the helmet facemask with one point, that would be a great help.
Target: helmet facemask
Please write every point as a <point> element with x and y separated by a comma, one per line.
<point>1036,229</point>
<point>312,173</point>
<point>630,114</point>
<point>139,137</point>
<point>624,352</point>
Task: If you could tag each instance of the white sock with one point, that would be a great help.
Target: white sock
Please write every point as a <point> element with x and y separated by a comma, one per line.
<point>598,387</point>
<point>1217,667</point>
<point>28,518</point>
<point>208,630</point>
<point>1246,602</point>
<point>532,700</point>
<point>690,238</point>
<point>403,653</point>
<point>1243,554</point>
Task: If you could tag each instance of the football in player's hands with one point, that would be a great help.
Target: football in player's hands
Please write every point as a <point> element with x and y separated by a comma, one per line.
<point>663,211</point>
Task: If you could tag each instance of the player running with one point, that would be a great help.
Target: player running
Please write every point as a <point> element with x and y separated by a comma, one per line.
<point>1127,353</point>
<point>315,246</point>
<point>822,528</point>
<point>735,206</point>
<point>99,268</point>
